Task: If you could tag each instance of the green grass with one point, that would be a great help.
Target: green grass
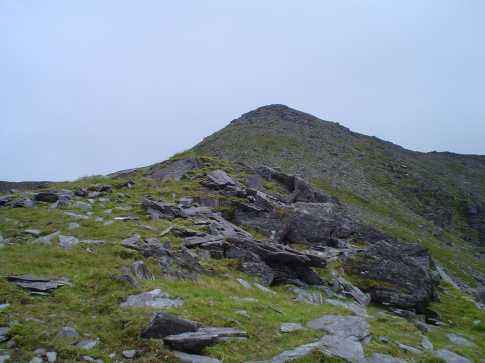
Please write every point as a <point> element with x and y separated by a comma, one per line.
<point>464,318</point>
<point>92,304</point>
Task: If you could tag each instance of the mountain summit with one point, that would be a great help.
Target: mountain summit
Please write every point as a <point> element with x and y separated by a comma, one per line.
<point>444,188</point>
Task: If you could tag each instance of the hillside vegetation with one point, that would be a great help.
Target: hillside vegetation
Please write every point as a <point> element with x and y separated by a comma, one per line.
<point>371,254</point>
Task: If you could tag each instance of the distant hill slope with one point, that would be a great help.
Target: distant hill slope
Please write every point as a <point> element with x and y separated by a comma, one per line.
<point>6,186</point>
<point>445,188</point>
<point>441,192</point>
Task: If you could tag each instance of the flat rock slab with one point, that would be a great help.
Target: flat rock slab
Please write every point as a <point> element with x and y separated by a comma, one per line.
<point>409,349</point>
<point>461,341</point>
<point>68,242</point>
<point>75,215</point>
<point>47,240</point>
<point>451,357</point>
<point>51,356</point>
<point>73,225</point>
<point>155,299</point>
<point>67,332</point>
<point>4,358</point>
<point>193,358</point>
<point>292,354</point>
<point>353,307</point>
<point>342,326</point>
<point>244,283</point>
<point>264,288</point>
<point>353,291</point>
<point>290,327</point>
<point>331,345</point>
<point>426,343</point>
<point>87,344</point>
<point>35,283</point>
<point>4,334</point>
<point>195,342</point>
<point>343,347</point>
<point>383,358</point>
<point>309,297</point>
<point>219,179</point>
<point>129,354</point>
<point>33,232</point>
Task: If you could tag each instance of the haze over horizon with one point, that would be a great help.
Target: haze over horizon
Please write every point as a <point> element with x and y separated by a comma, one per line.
<point>93,87</point>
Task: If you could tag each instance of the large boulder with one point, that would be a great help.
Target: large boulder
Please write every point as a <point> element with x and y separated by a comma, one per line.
<point>219,179</point>
<point>274,263</point>
<point>161,210</point>
<point>299,189</point>
<point>195,342</point>
<point>302,222</point>
<point>396,274</point>
<point>48,197</point>
<point>163,325</point>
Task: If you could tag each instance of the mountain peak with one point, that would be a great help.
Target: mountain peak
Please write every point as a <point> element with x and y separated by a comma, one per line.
<point>277,113</point>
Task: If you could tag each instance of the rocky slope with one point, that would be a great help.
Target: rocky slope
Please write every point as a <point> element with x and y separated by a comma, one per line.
<point>418,194</point>
<point>203,259</point>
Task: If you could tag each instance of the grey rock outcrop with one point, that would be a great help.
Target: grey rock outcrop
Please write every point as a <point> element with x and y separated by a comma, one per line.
<point>67,332</point>
<point>354,327</point>
<point>161,210</point>
<point>163,325</point>
<point>400,275</point>
<point>37,284</point>
<point>461,341</point>
<point>195,342</point>
<point>173,170</point>
<point>218,179</point>
<point>67,242</point>
<point>451,357</point>
<point>155,299</point>
<point>47,197</point>
<point>194,358</point>
<point>141,271</point>
<point>290,327</point>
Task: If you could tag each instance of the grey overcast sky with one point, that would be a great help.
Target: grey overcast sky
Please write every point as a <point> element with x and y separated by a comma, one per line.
<point>90,87</point>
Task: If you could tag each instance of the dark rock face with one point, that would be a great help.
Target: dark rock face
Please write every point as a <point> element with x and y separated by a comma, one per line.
<point>182,264</point>
<point>163,325</point>
<point>317,222</point>
<point>300,190</point>
<point>396,274</point>
<point>476,219</point>
<point>48,197</point>
<point>23,203</point>
<point>302,222</point>
<point>274,263</point>
<point>5,200</point>
<point>160,210</point>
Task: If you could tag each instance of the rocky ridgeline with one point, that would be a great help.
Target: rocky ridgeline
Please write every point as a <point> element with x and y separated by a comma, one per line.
<point>305,230</point>
<point>306,216</point>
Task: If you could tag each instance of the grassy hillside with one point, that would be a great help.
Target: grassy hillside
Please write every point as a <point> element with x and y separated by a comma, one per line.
<point>92,303</point>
